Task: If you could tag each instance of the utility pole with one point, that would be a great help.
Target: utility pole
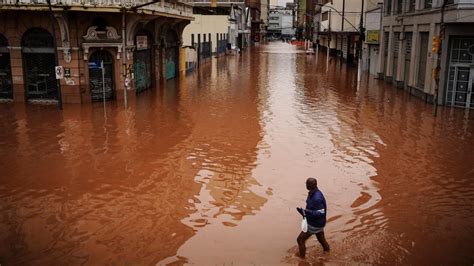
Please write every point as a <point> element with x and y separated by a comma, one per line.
<point>342,25</point>
<point>438,59</point>
<point>361,41</point>
<point>56,61</point>
<point>329,39</point>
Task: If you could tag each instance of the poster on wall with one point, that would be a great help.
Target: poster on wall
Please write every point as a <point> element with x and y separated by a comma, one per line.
<point>142,42</point>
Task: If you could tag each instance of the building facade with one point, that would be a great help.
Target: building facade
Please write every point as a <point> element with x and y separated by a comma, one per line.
<point>371,45</point>
<point>90,48</point>
<point>281,23</point>
<point>338,26</point>
<point>209,32</point>
<point>407,59</point>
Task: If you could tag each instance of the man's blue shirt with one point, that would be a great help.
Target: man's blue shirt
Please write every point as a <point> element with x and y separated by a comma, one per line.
<point>316,209</point>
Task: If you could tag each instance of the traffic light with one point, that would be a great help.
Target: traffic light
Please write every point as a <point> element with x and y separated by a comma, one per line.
<point>436,44</point>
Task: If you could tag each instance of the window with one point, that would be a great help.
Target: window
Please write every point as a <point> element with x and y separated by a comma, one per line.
<point>325,16</point>
<point>388,4</point>
<point>399,6</point>
<point>192,39</point>
<point>411,5</point>
<point>428,3</point>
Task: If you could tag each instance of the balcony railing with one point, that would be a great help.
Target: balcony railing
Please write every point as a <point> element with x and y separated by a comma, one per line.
<point>180,8</point>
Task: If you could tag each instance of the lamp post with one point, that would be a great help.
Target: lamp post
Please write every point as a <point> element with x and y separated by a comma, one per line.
<point>56,61</point>
<point>329,41</point>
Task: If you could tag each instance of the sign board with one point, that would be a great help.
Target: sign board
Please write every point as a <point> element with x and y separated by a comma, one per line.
<point>142,42</point>
<point>94,65</point>
<point>213,3</point>
<point>67,72</point>
<point>373,37</point>
<point>59,70</point>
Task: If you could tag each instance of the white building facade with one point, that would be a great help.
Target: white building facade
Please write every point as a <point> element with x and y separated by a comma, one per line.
<point>280,23</point>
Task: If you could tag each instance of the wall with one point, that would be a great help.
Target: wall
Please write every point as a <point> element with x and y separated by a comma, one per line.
<point>205,24</point>
<point>287,25</point>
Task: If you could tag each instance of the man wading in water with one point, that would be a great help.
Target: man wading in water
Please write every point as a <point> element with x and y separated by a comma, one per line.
<point>315,214</point>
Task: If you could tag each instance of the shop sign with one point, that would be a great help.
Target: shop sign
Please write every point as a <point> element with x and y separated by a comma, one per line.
<point>373,37</point>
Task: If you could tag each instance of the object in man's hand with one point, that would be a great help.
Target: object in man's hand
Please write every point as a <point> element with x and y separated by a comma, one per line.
<point>301,211</point>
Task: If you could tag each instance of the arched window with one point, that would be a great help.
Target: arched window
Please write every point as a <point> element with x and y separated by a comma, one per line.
<point>38,64</point>
<point>37,37</point>
<point>6,87</point>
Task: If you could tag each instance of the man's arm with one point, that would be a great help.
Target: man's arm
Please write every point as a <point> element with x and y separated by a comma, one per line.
<point>315,213</point>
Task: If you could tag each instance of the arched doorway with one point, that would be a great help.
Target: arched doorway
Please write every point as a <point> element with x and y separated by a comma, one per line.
<point>171,55</point>
<point>6,86</point>
<point>38,64</point>
<point>142,61</point>
<point>95,75</point>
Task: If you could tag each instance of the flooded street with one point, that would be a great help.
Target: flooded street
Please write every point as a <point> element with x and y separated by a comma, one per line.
<point>210,169</point>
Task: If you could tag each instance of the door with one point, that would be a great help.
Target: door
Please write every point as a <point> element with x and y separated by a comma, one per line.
<point>423,52</point>
<point>171,62</point>
<point>6,87</point>
<point>38,64</point>
<point>97,86</point>
<point>386,39</point>
<point>142,66</point>
<point>396,49</point>
<point>460,84</point>
<point>408,45</point>
<point>172,54</point>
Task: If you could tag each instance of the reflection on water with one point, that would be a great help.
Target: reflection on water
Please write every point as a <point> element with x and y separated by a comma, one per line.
<point>209,170</point>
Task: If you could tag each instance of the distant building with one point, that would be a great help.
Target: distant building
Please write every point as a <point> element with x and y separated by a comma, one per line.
<point>253,12</point>
<point>338,26</point>
<point>281,23</point>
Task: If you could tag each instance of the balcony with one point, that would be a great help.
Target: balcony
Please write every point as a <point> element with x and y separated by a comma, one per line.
<point>166,8</point>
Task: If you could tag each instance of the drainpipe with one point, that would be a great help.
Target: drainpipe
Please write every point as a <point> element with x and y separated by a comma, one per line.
<point>56,61</point>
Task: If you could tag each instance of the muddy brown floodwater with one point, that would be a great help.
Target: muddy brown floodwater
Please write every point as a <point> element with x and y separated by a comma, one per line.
<point>209,171</point>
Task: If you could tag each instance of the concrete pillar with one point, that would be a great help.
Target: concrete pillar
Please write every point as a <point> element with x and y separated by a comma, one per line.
<point>401,62</point>
<point>17,74</point>
<point>431,62</point>
<point>414,57</point>
<point>381,57</point>
<point>389,58</point>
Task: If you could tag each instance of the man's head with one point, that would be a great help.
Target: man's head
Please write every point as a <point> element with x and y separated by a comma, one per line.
<point>311,183</point>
